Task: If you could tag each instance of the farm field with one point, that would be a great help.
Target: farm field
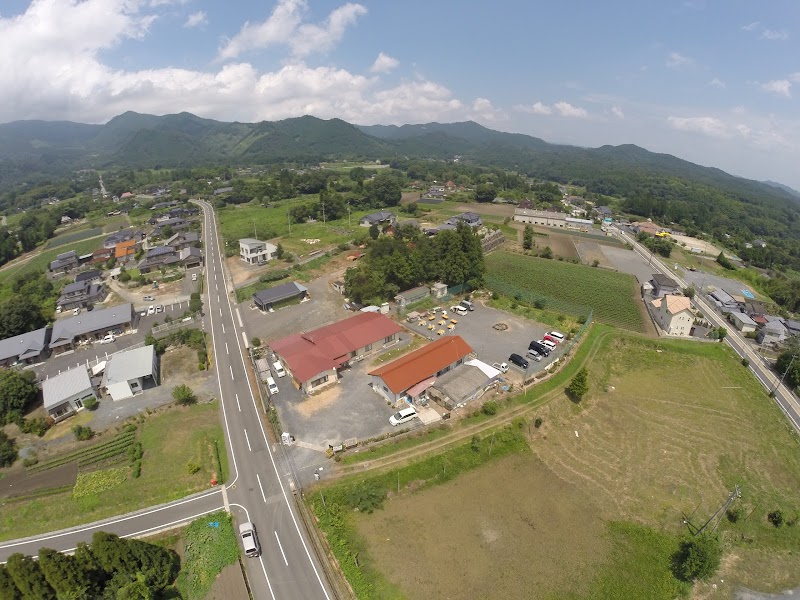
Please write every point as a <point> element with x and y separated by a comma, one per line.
<point>597,514</point>
<point>170,439</point>
<point>74,236</point>
<point>41,261</point>
<point>567,287</point>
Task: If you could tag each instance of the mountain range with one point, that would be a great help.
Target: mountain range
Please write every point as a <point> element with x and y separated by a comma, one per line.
<point>31,150</point>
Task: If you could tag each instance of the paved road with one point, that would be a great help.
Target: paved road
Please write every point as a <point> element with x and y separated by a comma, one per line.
<point>783,395</point>
<point>259,490</point>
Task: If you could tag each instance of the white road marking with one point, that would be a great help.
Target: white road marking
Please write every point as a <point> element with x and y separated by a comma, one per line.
<point>239,317</point>
<point>244,337</point>
<point>220,311</point>
<point>263,495</point>
<point>237,403</point>
<point>218,299</point>
<point>226,348</point>
<point>248,440</point>
<point>216,287</point>
<point>231,368</point>
<point>223,327</point>
<point>281,547</point>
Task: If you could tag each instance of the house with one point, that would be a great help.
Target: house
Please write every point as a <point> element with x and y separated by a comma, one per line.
<point>90,325</point>
<point>278,295</point>
<point>673,314</point>
<point>65,393</point>
<point>81,294</point>
<point>176,224</point>
<point>312,359</point>
<point>646,227</point>
<point>64,262</point>
<point>409,377</point>
<point>101,255</point>
<point>25,348</point>
<point>774,332</point>
<point>256,252</point>
<point>90,276</point>
<point>412,296</point>
<point>158,257</point>
<point>664,284</point>
<point>724,301</point>
<point>380,218</point>
<point>742,322</point>
<point>191,257</point>
<point>161,205</point>
<point>603,211</point>
<point>223,190</point>
<point>126,372</point>
<point>125,251</point>
<point>126,195</point>
<point>123,236</point>
<point>338,286</point>
<point>182,239</point>
<point>792,327</point>
<point>540,217</point>
<point>431,231</point>
<point>464,383</point>
<point>439,290</point>
<point>468,218</point>
<point>756,307</point>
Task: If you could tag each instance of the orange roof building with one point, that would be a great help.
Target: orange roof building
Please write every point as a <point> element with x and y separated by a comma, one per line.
<point>125,249</point>
<point>409,376</point>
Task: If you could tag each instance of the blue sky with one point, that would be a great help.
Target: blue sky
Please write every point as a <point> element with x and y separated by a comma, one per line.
<point>714,82</point>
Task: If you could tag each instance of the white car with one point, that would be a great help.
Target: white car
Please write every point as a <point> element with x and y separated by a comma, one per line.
<point>76,311</point>
<point>151,310</point>
<point>108,339</point>
<point>272,386</point>
<point>148,299</point>
<point>194,276</point>
<point>403,416</point>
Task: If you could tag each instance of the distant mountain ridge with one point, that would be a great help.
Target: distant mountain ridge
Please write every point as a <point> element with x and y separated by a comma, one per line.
<point>40,148</point>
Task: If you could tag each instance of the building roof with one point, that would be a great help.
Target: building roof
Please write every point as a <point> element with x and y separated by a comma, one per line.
<point>775,327</point>
<point>24,345</point>
<point>791,324</point>
<point>528,212</point>
<point>378,217</point>
<point>664,280</point>
<point>722,296</point>
<point>743,319</point>
<point>401,374</point>
<point>77,286</point>
<point>87,275</point>
<point>160,251</point>
<point>458,383</point>
<point>66,255</point>
<point>675,304</point>
<point>66,330</point>
<point>278,293</point>
<point>250,242</point>
<point>65,385</point>
<point>414,293</point>
<point>128,365</point>
<point>309,354</point>
<point>186,237</point>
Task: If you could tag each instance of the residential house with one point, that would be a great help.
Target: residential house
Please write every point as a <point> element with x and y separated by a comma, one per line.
<point>774,332</point>
<point>603,211</point>
<point>176,224</point>
<point>223,190</point>
<point>191,257</point>
<point>101,255</point>
<point>256,252</point>
<point>759,243</point>
<point>792,327</point>
<point>468,218</point>
<point>182,239</point>
<point>65,393</point>
<point>464,383</point>
<point>412,296</point>
<point>90,325</point>
<point>673,314</point>
<point>25,348</point>
<point>742,322</point>
<point>540,217</point>
<point>431,231</point>
<point>81,294</point>
<point>123,236</point>
<point>278,295</point>
<point>125,252</point>
<point>380,218</point>
<point>126,372</point>
<point>664,284</point>
<point>724,301</point>
<point>64,262</point>
<point>162,205</point>
<point>158,257</point>
<point>312,359</point>
<point>409,377</point>
<point>93,276</point>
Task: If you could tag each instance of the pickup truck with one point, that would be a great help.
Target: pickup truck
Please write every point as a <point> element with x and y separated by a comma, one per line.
<point>502,367</point>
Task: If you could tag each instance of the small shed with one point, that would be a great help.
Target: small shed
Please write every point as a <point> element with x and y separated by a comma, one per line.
<point>268,299</point>
<point>412,296</point>
<point>439,290</point>
<point>742,322</point>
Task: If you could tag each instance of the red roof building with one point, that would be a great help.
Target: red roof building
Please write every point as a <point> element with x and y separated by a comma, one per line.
<point>312,358</point>
<point>412,374</point>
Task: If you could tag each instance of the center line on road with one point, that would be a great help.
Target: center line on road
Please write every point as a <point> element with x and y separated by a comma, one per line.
<point>239,406</point>
<point>220,310</point>
<point>247,439</point>
<point>226,348</point>
<point>281,547</point>
<point>261,488</point>
<point>223,327</point>
<point>218,302</point>
<point>216,287</point>
<point>231,368</point>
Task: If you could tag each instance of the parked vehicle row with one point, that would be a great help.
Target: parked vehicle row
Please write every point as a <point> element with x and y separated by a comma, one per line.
<point>538,349</point>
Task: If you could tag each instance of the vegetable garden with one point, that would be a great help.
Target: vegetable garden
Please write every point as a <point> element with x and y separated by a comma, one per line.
<point>566,287</point>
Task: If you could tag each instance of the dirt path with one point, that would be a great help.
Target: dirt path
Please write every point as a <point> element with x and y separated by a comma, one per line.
<point>229,584</point>
<point>21,484</point>
<point>444,443</point>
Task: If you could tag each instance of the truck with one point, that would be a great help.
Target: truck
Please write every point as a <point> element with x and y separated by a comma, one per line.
<point>502,367</point>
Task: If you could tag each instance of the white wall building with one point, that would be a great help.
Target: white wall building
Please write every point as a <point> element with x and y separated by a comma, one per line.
<point>65,393</point>
<point>126,372</point>
<point>540,217</point>
<point>255,252</point>
<point>674,314</point>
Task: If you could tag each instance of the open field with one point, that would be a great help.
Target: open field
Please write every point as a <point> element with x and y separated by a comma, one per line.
<point>666,431</point>
<point>170,439</point>
<point>74,235</point>
<point>41,261</point>
<point>567,287</point>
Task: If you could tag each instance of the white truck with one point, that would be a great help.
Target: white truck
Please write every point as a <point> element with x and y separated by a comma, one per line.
<point>502,367</point>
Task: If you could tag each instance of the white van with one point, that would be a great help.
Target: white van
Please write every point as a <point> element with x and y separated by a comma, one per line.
<point>272,386</point>
<point>467,304</point>
<point>403,416</point>
<point>459,310</point>
<point>558,335</point>
<point>278,368</point>
<point>247,531</point>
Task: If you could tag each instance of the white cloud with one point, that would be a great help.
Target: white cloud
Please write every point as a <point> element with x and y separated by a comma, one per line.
<point>562,109</point>
<point>197,19</point>
<point>285,27</point>
<point>675,60</point>
<point>541,109</point>
<point>751,26</point>
<point>384,63</point>
<point>565,109</point>
<point>617,111</point>
<point>772,34</point>
<point>483,110</point>
<point>717,83</point>
<point>781,87</point>
<point>710,126</point>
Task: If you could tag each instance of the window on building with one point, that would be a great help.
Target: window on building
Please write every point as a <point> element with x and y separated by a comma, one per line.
<point>388,339</point>
<point>320,381</point>
<point>368,347</point>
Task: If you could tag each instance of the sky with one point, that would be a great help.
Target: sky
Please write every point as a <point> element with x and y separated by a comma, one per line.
<point>716,82</point>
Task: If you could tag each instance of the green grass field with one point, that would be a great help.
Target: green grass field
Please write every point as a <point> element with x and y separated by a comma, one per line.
<point>41,261</point>
<point>170,441</point>
<point>208,551</point>
<point>74,236</point>
<point>566,287</point>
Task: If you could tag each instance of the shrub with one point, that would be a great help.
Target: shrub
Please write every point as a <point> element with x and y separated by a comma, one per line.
<point>366,496</point>
<point>537,422</point>
<point>475,443</point>
<point>776,518</point>
<point>256,342</point>
<point>30,461</point>
<point>38,426</point>
<point>745,362</point>
<point>90,404</point>
<point>192,468</point>
<point>733,514</point>
<point>82,433</point>
<point>8,450</point>
<point>183,395</point>
<point>579,386</point>
<point>490,408</point>
<point>697,558</point>
<point>137,469</point>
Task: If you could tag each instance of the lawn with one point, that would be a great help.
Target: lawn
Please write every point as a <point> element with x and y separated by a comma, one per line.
<point>566,287</point>
<point>171,440</point>
<point>592,504</point>
<point>41,261</point>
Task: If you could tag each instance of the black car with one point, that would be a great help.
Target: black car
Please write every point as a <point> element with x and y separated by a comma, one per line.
<point>518,360</point>
<point>540,348</point>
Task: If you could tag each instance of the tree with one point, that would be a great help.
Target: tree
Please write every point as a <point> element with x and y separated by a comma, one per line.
<point>697,558</point>
<point>721,333</point>
<point>358,174</point>
<point>789,368</point>
<point>195,303</point>
<point>19,315</point>
<point>183,395</point>
<point>279,251</point>
<point>124,277</point>
<point>83,433</point>
<point>385,190</point>
<point>689,292</point>
<point>527,237</point>
<point>374,232</point>
<point>167,232</point>
<point>8,589</point>
<point>64,574</point>
<point>28,578</point>
<point>579,386</point>
<point>776,518</point>
<point>485,192</point>
<point>547,252</point>
<point>17,390</point>
<point>8,450</point>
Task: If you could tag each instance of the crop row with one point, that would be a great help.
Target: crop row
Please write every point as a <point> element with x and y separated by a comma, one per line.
<point>123,440</point>
<point>96,458</point>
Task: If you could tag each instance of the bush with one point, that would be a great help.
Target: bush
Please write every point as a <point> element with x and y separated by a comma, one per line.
<point>90,404</point>
<point>256,342</point>
<point>579,386</point>
<point>697,558</point>
<point>537,422</point>
<point>733,514</point>
<point>183,395</point>
<point>38,426</point>
<point>30,461</point>
<point>490,408</point>
<point>745,362</point>
<point>82,433</point>
<point>776,518</point>
<point>366,496</point>
<point>8,450</point>
<point>137,469</point>
<point>475,443</point>
<point>192,468</point>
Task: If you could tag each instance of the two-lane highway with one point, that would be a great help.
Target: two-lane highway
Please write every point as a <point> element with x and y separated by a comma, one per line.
<point>259,490</point>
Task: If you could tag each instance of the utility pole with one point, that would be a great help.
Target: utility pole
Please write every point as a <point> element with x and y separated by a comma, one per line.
<point>255,233</point>
<point>780,382</point>
<point>289,219</point>
<point>716,518</point>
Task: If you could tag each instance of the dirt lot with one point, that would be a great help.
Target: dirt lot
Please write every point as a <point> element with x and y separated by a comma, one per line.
<point>707,247</point>
<point>590,252</point>
<point>499,547</point>
<point>561,244</point>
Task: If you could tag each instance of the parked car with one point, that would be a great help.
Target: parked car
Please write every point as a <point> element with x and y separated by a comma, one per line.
<point>534,355</point>
<point>539,347</point>
<point>148,299</point>
<point>151,310</point>
<point>160,308</point>
<point>558,335</point>
<point>194,276</point>
<point>279,371</point>
<point>502,367</point>
<point>272,387</point>
<point>403,416</point>
<point>467,304</point>
<point>518,360</point>
<point>76,311</point>
<point>108,338</point>
<point>548,343</point>
<point>549,338</point>
<point>252,548</point>
<point>459,310</point>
